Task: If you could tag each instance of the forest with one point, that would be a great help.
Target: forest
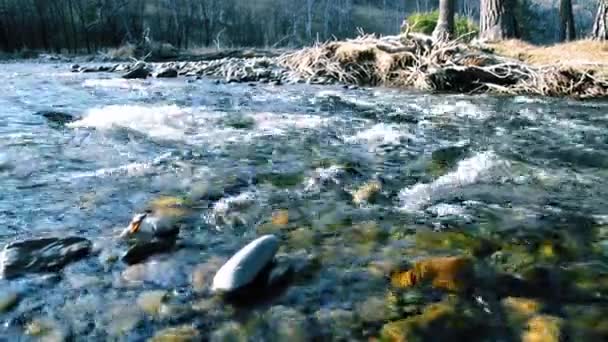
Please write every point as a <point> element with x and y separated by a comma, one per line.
<point>87,26</point>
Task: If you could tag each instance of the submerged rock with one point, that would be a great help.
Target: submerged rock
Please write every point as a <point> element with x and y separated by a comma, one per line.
<point>41,255</point>
<point>8,299</point>
<point>151,301</point>
<point>519,309</point>
<point>443,321</point>
<point>230,331</point>
<point>56,117</point>
<point>145,249</point>
<point>543,328</point>
<point>183,333</point>
<point>244,266</point>
<point>45,330</point>
<point>446,273</point>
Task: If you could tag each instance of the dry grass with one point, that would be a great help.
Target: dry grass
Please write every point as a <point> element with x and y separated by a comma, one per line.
<point>580,54</point>
<point>576,69</point>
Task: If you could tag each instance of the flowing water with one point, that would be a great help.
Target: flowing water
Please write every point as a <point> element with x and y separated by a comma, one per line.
<point>526,176</point>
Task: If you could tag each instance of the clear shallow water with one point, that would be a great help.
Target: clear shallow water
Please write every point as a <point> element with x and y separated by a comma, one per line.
<point>516,169</point>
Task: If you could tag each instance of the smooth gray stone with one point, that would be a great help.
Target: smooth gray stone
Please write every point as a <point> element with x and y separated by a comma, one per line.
<point>246,264</point>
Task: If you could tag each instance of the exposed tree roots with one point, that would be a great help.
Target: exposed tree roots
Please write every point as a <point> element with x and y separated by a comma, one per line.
<point>417,61</point>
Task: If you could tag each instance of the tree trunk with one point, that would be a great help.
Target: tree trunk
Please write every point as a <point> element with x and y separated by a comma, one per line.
<point>497,20</point>
<point>566,21</point>
<point>600,26</point>
<point>444,30</point>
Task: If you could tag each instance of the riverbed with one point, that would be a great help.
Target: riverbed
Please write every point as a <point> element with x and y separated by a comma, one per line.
<point>357,184</point>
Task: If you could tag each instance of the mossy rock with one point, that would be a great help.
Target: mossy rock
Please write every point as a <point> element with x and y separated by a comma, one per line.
<point>455,273</point>
<point>448,320</point>
<point>183,333</point>
<point>518,309</point>
<point>367,193</point>
<point>281,180</point>
<point>171,206</point>
<point>512,260</point>
<point>367,232</point>
<point>588,322</point>
<point>302,238</point>
<point>445,159</point>
<point>543,328</point>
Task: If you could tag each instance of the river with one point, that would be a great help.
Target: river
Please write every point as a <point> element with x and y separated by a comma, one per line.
<point>530,175</point>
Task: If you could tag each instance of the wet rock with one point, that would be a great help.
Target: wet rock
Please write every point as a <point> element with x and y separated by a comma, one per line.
<point>202,274</point>
<point>587,322</point>
<point>543,328</point>
<point>280,218</point>
<point>170,206</point>
<point>446,158</point>
<point>374,309</point>
<point>446,273</point>
<point>443,321</point>
<point>184,333</point>
<point>244,266</point>
<point>8,299</point>
<point>367,193</point>
<point>41,255</point>
<point>144,249</point>
<point>166,73</point>
<point>337,323</point>
<point>139,72</point>
<point>520,309</point>
<point>301,238</point>
<point>150,301</point>
<point>161,273</point>
<point>121,318</point>
<point>56,117</point>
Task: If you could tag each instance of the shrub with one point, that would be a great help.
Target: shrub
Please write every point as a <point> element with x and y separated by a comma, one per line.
<point>425,22</point>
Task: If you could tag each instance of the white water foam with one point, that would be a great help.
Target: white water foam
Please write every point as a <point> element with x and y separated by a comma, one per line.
<point>131,170</point>
<point>382,134</point>
<point>169,122</point>
<point>322,176</point>
<point>192,125</point>
<point>114,83</point>
<point>479,168</point>
<point>462,109</point>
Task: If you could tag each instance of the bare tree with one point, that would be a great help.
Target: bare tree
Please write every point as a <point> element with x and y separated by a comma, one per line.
<point>497,20</point>
<point>566,19</point>
<point>600,25</point>
<point>444,30</point>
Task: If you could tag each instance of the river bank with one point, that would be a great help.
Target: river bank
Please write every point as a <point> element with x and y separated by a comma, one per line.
<point>410,61</point>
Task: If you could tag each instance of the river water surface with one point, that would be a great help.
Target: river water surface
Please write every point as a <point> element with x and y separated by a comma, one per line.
<point>526,176</point>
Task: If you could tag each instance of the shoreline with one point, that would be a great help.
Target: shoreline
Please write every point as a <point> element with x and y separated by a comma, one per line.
<point>407,61</point>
